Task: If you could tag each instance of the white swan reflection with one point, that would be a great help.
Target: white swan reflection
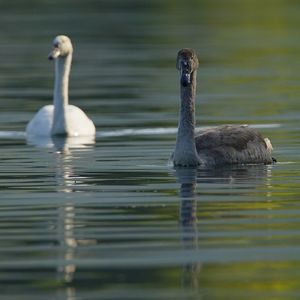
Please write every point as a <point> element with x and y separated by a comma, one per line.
<point>65,157</point>
<point>61,143</point>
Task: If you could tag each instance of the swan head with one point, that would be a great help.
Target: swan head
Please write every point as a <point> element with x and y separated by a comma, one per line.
<point>187,63</point>
<point>62,47</point>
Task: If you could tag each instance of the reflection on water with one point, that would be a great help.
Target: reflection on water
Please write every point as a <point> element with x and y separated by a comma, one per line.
<point>187,178</point>
<point>124,229</point>
<point>67,243</point>
<point>67,182</point>
<point>61,143</point>
<point>107,218</point>
<point>66,178</point>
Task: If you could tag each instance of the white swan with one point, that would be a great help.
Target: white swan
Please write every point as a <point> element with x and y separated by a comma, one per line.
<point>61,118</point>
<point>223,145</point>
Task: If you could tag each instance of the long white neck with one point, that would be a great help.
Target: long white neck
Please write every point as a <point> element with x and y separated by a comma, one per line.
<point>61,95</point>
<point>185,149</point>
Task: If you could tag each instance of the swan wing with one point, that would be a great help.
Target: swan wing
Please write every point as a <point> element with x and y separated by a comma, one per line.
<point>231,144</point>
<point>79,124</point>
<point>41,123</point>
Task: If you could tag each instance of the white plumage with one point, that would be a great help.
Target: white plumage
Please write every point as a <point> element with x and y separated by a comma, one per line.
<point>61,118</point>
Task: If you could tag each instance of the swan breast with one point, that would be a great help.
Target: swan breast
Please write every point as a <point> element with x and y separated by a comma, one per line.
<point>78,122</point>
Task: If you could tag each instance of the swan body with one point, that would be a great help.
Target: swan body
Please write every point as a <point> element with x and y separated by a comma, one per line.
<point>61,118</point>
<point>217,146</point>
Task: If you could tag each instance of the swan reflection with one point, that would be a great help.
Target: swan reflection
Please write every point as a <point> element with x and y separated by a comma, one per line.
<point>187,177</point>
<point>61,143</point>
<point>258,176</point>
<point>66,155</point>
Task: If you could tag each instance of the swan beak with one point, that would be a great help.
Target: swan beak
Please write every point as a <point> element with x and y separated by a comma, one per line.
<point>185,78</point>
<point>54,53</point>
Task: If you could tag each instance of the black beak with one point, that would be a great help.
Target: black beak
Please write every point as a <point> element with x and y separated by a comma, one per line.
<point>185,74</point>
<point>185,78</point>
<point>54,53</point>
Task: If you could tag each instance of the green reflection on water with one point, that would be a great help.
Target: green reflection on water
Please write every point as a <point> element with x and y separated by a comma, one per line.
<point>116,207</point>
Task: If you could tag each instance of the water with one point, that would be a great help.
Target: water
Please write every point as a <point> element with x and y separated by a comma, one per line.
<point>109,219</point>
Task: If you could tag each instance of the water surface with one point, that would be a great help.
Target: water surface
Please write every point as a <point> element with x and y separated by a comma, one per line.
<point>110,219</point>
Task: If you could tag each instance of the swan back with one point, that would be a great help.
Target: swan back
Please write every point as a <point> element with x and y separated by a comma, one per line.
<point>233,144</point>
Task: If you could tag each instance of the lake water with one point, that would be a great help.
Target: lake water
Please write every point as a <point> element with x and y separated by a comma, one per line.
<point>109,219</point>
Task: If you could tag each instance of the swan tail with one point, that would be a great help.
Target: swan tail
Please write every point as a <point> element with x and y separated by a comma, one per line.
<point>269,145</point>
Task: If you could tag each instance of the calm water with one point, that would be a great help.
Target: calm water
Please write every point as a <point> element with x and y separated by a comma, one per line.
<point>109,219</point>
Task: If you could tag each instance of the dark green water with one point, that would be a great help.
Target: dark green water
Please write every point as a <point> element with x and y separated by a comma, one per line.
<point>112,220</point>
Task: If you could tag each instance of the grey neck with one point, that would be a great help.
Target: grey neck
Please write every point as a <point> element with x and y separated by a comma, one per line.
<point>61,96</point>
<point>185,149</point>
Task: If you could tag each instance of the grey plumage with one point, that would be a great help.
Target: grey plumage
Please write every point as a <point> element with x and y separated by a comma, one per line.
<point>223,145</point>
<point>232,144</point>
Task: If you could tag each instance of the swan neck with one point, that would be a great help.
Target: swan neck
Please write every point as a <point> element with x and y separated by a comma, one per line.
<point>187,121</point>
<point>62,73</point>
<point>61,93</point>
<point>185,149</point>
